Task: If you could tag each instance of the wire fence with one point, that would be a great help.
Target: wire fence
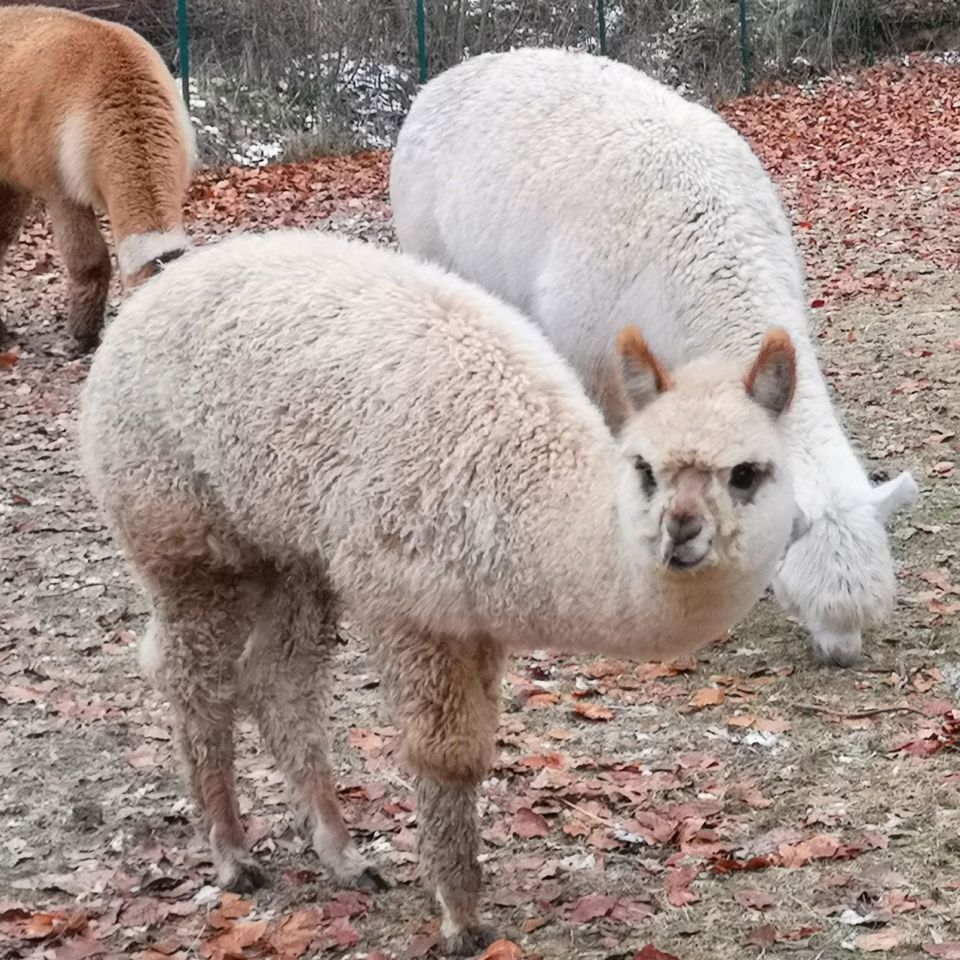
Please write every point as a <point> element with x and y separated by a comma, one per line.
<point>423,73</point>
<point>292,78</point>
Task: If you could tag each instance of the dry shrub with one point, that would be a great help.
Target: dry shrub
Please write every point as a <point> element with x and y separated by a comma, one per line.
<point>696,43</point>
<point>291,78</point>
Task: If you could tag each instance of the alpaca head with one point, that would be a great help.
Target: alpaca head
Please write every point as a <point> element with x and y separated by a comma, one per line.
<point>837,574</point>
<point>707,464</point>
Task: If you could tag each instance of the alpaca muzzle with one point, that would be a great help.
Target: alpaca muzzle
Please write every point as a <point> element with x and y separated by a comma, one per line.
<point>686,541</point>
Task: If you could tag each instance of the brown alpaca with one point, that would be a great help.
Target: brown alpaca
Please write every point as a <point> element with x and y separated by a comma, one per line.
<point>90,120</point>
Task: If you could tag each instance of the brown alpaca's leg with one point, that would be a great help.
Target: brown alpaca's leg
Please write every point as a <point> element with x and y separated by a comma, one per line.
<point>196,638</point>
<point>13,208</point>
<point>445,693</point>
<point>288,684</point>
<point>87,260</point>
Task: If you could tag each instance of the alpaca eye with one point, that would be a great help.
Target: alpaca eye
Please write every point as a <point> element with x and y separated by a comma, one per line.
<point>745,478</point>
<point>646,475</point>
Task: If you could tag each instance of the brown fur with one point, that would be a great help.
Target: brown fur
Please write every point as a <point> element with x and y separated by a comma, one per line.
<point>90,120</point>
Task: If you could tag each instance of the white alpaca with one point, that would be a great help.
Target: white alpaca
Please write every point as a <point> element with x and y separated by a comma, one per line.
<point>283,426</point>
<point>590,196</point>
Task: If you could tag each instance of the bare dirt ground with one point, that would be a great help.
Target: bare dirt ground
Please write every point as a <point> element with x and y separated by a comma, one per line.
<point>745,803</point>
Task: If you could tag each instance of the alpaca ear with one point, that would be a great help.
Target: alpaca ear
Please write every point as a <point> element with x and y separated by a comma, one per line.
<point>644,379</point>
<point>773,376</point>
<point>894,495</point>
<point>801,525</point>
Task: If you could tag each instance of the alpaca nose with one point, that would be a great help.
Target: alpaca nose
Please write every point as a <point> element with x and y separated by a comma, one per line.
<point>683,529</point>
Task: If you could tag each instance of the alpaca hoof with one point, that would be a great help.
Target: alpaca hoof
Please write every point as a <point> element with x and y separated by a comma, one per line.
<point>371,881</point>
<point>82,345</point>
<point>469,942</point>
<point>246,878</point>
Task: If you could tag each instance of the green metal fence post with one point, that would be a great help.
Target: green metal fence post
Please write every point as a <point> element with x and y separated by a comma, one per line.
<point>745,46</point>
<point>422,40</point>
<point>182,32</point>
<point>602,27</point>
<point>871,41</point>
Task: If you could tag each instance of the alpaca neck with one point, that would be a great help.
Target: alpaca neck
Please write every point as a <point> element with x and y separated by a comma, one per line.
<point>599,592</point>
<point>826,469</point>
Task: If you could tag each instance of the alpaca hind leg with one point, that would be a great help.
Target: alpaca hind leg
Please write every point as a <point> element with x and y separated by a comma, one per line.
<point>445,694</point>
<point>288,684</point>
<point>87,260</point>
<point>13,208</point>
<point>198,631</point>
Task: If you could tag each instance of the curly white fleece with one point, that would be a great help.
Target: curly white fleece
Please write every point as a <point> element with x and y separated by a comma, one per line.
<point>297,398</point>
<point>590,196</point>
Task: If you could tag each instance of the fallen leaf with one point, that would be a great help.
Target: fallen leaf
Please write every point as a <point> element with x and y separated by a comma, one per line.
<point>592,711</point>
<point>232,905</point>
<point>556,761</point>
<point>886,939</point>
<point>677,885</point>
<point>819,847</point>
<point>650,952</point>
<point>79,948</point>
<point>528,824</point>
<point>591,907</point>
<point>39,926</point>
<point>348,903</point>
<point>708,697</point>
<point>540,700</point>
<point>772,724</point>
<point>940,580</point>
<point>656,669</point>
<point>631,911</point>
<point>341,933</point>
<point>233,941</point>
<point>297,932</point>
<point>502,950</point>
<point>754,899</point>
<point>948,950</point>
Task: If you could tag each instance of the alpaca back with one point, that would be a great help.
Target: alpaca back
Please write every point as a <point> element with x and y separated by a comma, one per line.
<point>319,397</point>
<point>597,193</point>
<point>88,111</point>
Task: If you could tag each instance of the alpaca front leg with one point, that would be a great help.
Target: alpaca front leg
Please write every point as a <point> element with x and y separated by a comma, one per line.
<point>445,694</point>
<point>13,208</point>
<point>87,260</point>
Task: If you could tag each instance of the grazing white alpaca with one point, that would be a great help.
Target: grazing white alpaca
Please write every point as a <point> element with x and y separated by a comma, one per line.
<point>590,196</point>
<point>284,426</point>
